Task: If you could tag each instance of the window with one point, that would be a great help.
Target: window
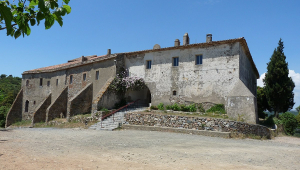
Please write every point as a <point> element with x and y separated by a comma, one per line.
<point>34,103</point>
<point>71,79</point>
<point>56,82</point>
<point>174,93</point>
<point>41,81</point>
<point>48,83</point>
<point>198,59</point>
<point>84,77</point>
<point>97,75</point>
<point>175,61</point>
<point>148,66</point>
<point>27,82</point>
<point>26,105</point>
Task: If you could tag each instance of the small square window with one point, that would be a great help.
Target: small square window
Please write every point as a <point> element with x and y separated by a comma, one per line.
<point>84,77</point>
<point>48,83</point>
<point>148,66</point>
<point>175,61</point>
<point>71,79</point>
<point>174,93</point>
<point>198,59</point>
<point>97,75</point>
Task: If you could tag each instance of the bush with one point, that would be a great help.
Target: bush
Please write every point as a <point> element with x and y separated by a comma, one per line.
<point>161,106</point>
<point>269,122</point>
<point>192,108</point>
<point>201,108</point>
<point>298,118</point>
<point>289,122</point>
<point>168,107</point>
<point>153,108</point>
<point>219,108</point>
<point>184,108</point>
<point>175,107</point>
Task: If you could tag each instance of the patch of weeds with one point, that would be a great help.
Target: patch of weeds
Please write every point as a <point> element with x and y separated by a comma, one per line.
<point>161,106</point>
<point>22,123</point>
<point>153,108</point>
<point>219,108</point>
<point>168,107</point>
<point>201,108</point>
<point>175,107</point>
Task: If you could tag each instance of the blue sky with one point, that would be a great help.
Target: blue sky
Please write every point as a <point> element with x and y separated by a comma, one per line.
<point>95,26</point>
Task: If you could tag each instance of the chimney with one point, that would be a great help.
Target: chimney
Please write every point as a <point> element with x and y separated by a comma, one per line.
<point>186,39</point>
<point>82,58</point>
<point>177,43</point>
<point>108,51</point>
<point>208,38</point>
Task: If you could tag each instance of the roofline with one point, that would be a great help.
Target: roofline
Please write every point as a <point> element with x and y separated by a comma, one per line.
<point>77,64</point>
<point>204,45</point>
<point>241,40</point>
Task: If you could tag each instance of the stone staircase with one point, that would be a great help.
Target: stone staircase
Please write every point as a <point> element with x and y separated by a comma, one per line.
<point>116,120</point>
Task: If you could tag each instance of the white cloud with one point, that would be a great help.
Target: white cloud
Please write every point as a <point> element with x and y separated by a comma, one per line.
<point>296,78</point>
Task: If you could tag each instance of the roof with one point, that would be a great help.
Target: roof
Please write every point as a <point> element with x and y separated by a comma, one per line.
<point>90,59</point>
<point>71,63</point>
<point>241,40</point>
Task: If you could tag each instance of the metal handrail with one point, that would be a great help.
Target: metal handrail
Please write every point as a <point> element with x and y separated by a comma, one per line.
<point>113,112</point>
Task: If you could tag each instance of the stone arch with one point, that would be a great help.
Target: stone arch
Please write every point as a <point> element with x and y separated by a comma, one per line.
<point>143,95</point>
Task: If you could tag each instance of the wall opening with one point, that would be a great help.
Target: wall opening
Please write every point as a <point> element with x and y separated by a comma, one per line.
<point>84,77</point>
<point>48,83</point>
<point>26,105</point>
<point>144,96</point>
<point>27,82</point>
<point>71,79</point>
<point>174,93</point>
<point>97,75</point>
<point>41,81</point>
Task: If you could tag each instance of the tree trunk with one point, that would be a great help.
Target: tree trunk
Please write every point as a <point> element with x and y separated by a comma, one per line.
<point>276,114</point>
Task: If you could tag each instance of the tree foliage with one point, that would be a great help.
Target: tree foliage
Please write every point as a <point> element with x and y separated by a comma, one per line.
<point>17,16</point>
<point>278,85</point>
<point>262,102</point>
<point>9,88</point>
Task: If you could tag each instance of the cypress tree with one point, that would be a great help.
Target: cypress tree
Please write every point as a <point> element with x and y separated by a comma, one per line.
<point>278,85</point>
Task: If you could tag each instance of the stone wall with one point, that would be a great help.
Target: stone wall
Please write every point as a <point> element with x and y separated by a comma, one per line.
<point>196,123</point>
<point>58,106</point>
<point>15,112</point>
<point>82,102</point>
<point>40,114</point>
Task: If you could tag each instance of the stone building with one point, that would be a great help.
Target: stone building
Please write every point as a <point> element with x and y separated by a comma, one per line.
<point>220,72</point>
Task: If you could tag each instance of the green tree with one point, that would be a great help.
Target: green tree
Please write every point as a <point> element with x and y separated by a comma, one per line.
<point>262,102</point>
<point>17,16</point>
<point>278,85</point>
<point>298,109</point>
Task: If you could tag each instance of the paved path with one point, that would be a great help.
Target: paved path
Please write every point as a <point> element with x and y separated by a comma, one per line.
<point>128,149</point>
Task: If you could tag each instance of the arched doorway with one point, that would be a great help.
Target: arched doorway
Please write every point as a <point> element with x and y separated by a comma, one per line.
<point>143,95</point>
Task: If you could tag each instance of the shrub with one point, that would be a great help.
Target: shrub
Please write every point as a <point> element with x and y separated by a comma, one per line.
<point>298,118</point>
<point>153,108</point>
<point>184,108</point>
<point>175,107</point>
<point>219,108</point>
<point>269,122</point>
<point>200,108</point>
<point>168,107</point>
<point>161,106</point>
<point>289,122</point>
<point>192,108</point>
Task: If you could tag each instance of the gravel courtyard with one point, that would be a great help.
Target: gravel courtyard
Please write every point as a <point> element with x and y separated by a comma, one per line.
<point>37,148</point>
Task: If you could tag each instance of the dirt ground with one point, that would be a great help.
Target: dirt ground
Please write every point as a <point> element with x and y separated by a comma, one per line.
<point>47,148</point>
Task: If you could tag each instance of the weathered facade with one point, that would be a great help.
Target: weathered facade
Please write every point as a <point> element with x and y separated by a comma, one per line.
<point>214,71</point>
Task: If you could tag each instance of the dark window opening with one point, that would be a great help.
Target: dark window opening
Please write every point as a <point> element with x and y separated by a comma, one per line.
<point>41,81</point>
<point>34,102</point>
<point>84,77</point>
<point>175,61</point>
<point>56,82</point>
<point>71,79</point>
<point>27,82</point>
<point>26,105</point>
<point>174,93</point>
<point>48,83</point>
<point>148,66</point>
<point>97,75</point>
<point>199,59</point>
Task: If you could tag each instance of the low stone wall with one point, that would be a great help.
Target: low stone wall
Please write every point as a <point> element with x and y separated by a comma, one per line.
<point>196,123</point>
<point>15,112</point>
